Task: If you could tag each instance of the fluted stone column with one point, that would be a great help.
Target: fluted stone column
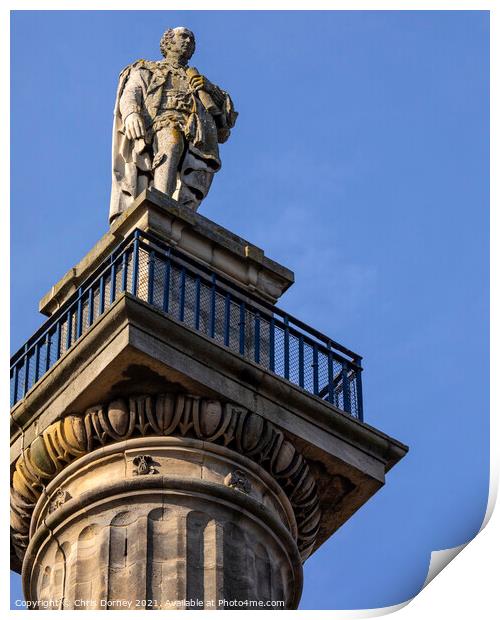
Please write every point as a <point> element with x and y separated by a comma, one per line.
<point>199,511</point>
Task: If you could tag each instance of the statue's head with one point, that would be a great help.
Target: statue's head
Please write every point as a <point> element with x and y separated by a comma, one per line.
<point>178,42</point>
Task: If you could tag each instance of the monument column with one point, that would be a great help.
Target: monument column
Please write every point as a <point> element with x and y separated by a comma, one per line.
<point>178,440</point>
<point>174,520</point>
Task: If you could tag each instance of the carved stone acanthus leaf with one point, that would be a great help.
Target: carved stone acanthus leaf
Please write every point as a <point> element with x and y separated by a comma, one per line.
<point>164,414</point>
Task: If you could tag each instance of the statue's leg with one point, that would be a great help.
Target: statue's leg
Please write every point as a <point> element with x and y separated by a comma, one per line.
<point>169,141</point>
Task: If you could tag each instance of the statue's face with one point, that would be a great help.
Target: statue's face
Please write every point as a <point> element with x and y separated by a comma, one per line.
<point>182,43</point>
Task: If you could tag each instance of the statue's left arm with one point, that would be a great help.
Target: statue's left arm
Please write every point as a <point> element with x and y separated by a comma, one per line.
<point>223,113</point>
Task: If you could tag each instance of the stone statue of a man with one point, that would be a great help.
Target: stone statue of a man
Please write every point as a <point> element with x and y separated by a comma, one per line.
<point>169,120</point>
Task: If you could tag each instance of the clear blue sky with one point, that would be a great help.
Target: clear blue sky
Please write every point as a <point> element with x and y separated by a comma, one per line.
<point>360,161</point>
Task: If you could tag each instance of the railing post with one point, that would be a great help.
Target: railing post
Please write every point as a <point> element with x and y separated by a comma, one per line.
<point>315,366</point>
<point>79,315</point>
<point>47,349</point>
<point>151,277</point>
<point>242,328</point>
<point>58,340</point>
<point>135,263</point>
<point>37,361</point>
<point>286,351</point>
<point>271,344</point>
<point>26,369</point>
<point>69,329</point>
<point>124,270</point>
<point>90,303</point>
<point>346,392</point>
<point>112,284</point>
<point>257,337</point>
<point>301,361</point>
<point>359,389</point>
<point>330,374</point>
<point>16,382</point>
<point>101,295</point>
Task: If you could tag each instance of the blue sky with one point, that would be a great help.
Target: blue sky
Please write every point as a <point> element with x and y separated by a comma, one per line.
<point>360,160</point>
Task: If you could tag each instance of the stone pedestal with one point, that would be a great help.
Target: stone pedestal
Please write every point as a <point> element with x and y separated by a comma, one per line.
<point>155,467</point>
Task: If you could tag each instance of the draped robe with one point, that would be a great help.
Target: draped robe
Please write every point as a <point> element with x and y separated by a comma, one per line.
<point>141,88</point>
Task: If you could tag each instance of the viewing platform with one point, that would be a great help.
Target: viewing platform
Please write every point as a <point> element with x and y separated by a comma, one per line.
<point>189,290</point>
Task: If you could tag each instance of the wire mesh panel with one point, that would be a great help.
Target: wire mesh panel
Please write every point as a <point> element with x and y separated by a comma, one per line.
<point>204,308</point>
<point>235,326</point>
<point>42,359</point>
<point>156,281</point>
<point>107,291</point>
<point>54,346</point>
<point>190,300</point>
<point>17,381</point>
<point>85,314</point>
<point>96,301</point>
<point>67,332</point>
<point>174,291</point>
<point>279,351</point>
<point>13,385</point>
<point>249,335</point>
<point>218,318</point>
<point>354,396</point>
<point>124,272</point>
<point>142,276</point>
<point>295,368</point>
<point>30,380</point>
<point>265,336</point>
<point>323,382</point>
<point>308,368</point>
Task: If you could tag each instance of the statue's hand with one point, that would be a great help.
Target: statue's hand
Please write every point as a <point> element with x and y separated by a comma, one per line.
<point>200,82</point>
<point>134,126</point>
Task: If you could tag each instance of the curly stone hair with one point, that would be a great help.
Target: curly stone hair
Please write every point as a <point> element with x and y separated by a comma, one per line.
<point>166,39</point>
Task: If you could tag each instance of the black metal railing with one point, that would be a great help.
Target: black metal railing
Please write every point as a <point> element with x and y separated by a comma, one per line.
<point>208,303</point>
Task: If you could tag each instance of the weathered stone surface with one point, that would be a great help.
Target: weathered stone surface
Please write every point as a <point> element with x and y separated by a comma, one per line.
<point>207,420</point>
<point>174,537</point>
<point>169,120</point>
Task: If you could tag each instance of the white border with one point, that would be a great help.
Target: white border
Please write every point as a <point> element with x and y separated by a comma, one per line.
<point>467,587</point>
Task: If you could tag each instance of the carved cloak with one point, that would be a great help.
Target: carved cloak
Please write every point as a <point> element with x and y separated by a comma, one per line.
<point>132,160</point>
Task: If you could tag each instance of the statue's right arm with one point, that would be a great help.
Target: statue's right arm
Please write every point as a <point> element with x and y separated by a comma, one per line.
<point>131,105</point>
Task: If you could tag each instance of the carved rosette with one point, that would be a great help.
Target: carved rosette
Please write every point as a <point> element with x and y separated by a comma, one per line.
<point>167,414</point>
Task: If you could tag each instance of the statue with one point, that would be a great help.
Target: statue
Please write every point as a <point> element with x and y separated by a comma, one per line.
<point>168,122</point>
